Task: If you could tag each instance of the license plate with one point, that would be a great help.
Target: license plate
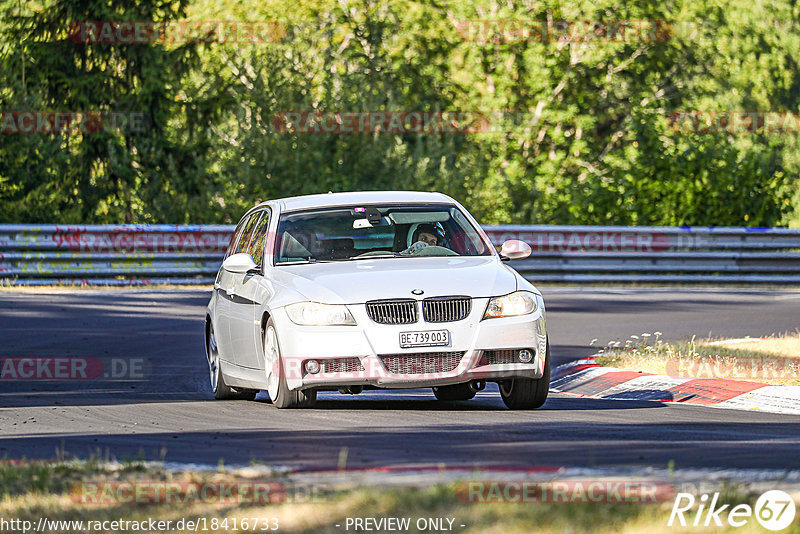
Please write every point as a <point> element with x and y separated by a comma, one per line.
<point>429,338</point>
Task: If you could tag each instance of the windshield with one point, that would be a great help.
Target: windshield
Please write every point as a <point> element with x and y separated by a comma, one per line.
<point>376,231</point>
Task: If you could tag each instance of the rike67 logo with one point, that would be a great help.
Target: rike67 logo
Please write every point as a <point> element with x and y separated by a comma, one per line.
<point>774,510</point>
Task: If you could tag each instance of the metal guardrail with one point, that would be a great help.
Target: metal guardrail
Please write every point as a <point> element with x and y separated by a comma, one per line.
<point>112,254</point>
<point>191,254</point>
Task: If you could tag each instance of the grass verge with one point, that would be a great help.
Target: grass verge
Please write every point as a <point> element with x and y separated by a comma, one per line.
<point>774,360</point>
<point>32,490</point>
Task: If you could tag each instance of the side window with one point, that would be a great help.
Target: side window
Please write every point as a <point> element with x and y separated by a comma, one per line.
<point>243,238</point>
<point>247,234</point>
<point>237,235</point>
<point>257,242</point>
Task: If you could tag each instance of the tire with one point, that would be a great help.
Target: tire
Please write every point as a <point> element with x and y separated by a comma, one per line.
<point>456,392</point>
<point>527,393</point>
<point>221,390</point>
<point>284,398</point>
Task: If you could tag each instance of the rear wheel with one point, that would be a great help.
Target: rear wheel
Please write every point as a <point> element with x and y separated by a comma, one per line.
<point>457,392</point>
<point>279,392</point>
<point>222,391</point>
<point>527,393</point>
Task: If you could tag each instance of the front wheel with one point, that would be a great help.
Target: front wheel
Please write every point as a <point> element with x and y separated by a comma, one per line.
<point>279,392</point>
<point>527,393</point>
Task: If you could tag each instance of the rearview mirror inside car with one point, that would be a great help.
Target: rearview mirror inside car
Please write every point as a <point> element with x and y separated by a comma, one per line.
<point>366,223</point>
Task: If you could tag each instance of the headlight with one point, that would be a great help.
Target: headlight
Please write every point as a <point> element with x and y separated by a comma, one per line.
<point>316,314</point>
<point>513,304</point>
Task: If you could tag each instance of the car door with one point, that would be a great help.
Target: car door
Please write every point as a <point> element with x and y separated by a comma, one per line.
<point>250,293</point>
<point>224,285</point>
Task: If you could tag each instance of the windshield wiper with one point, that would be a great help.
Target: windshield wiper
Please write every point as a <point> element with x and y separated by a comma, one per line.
<point>394,255</point>
<point>331,260</point>
<point>384,255</point>
<point>387,255</point>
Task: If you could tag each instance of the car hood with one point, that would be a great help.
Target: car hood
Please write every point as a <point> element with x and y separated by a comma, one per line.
<point>358,281</point>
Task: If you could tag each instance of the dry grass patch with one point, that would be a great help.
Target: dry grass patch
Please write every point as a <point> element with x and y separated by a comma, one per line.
<point>787,346</point>
<point>774,360</point>
<point>31,491</point>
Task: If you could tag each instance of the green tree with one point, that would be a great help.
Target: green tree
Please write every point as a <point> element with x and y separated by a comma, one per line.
<point>127,174</point>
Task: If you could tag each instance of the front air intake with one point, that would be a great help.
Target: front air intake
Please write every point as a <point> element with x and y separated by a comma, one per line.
<point>342,365</point>
<point>421,363</point>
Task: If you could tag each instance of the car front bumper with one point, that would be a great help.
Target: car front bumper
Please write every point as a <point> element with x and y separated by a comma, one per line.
<point>365,347</point>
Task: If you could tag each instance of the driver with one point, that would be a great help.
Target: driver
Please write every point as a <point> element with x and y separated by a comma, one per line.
<point>426,235</point>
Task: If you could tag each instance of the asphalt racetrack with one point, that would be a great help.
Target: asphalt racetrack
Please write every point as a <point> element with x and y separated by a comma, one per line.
<point>168,413</point>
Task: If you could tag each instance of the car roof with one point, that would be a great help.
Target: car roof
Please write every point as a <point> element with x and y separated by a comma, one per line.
<point>358,197</point>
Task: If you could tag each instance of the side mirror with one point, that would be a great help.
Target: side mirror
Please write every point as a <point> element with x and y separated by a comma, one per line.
<point>240,263</point>
<point>513,249</point>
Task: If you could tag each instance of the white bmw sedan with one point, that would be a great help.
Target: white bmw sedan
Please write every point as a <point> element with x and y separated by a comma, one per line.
<point>347,291</point>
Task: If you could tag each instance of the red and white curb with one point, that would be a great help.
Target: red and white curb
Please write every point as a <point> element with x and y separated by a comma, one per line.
<point>589,379</point>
